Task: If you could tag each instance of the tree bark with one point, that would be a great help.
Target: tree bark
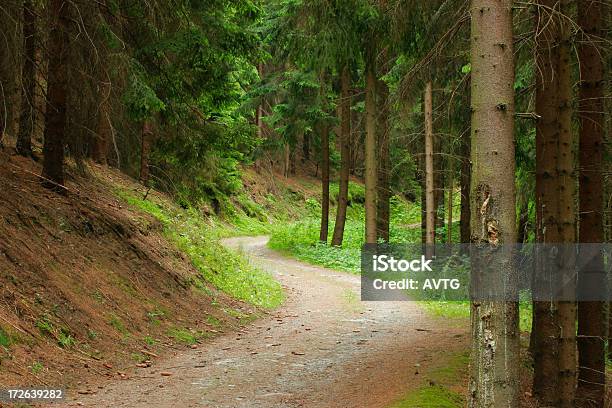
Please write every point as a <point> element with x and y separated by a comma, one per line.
<point>523,220</point>
<point>430,210</point>
<point>370,153</point>
<point>464,223</point>
<point>104,135</point>
<point>384,166</point>
<point>591,325</point>
<point>494,372</point>
<point>345,152</point>
<point>145,151</point>
<point>449,213</point>
<point>545,346</point>
<point>566,196</point>
<point>28,115</point>
<point>324,182</point>
<point>287,160</point>
<point>55,121</point>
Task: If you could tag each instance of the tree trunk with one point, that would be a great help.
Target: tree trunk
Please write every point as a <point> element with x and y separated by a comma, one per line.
<point>383,187</point>
<point>370,153</point>
<point>324,182</point>
<point>345,152</point>
<point>591,325</point>
<point>287,160</point>
<point>55,121</point>
<point>104,135</point>
<point>305,147</point>
<point>464,223</point>
<point>439,187</point>
<point>28,116</point>
<point>566,218</point>
<point>430,210</point>
<point>494,372</point>
<point>545,345</point>
<point>523,220</point>
<point>145,150</point>
<point>451,181</point>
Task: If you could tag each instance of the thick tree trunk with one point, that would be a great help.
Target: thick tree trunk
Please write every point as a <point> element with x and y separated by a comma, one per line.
<point>28,116</point>
<point>145,151</point>
<point>345,152</point>
<point>324,182</point>
<point>430,209</point>
<point>104,135</point>
<point>370,153</point>
<point>566,218</point>
<point>384,166</point>
<point>591,324</point>
<point>55,121</point>
<point>494,372</point>
<point>545,345</point>
<point>464,222</point>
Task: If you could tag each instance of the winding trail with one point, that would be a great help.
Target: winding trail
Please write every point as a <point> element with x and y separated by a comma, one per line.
<point>322,348</point>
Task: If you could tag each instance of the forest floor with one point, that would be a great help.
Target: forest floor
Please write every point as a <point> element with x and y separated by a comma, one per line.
<point>322,348</point>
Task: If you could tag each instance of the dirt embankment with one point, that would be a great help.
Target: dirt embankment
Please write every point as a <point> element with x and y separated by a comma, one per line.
<point>88,286</point>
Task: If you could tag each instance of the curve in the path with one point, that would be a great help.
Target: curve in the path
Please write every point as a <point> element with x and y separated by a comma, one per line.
<point>322,348</point>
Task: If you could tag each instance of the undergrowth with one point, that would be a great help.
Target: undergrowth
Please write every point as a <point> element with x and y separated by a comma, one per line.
<point>199,239</point>
<point>300,240</point>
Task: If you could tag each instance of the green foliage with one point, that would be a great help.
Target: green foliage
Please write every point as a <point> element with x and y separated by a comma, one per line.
<point>301,239</point>
<point>434,396</point>
<point>217,265</point>
<point>186,336</point>
<point>440,393</point>
<point>37,367</point>
<point>5,338</point>
<point>65,339</point>
<point>149,341</point>
<point>116,322</point>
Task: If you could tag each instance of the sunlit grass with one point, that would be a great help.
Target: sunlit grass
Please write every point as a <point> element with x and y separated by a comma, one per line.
<point>223,268</point>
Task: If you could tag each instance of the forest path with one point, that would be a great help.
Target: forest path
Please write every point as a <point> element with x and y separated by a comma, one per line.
<point>322,348</point>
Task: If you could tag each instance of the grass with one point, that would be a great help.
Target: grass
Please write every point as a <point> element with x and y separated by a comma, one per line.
<point>300,240</point>
<point>439,393</point>
<point>116,322</point>
<point>185,336</point>
<point>5,338</point>
<point>221,267</point>
<point>37,367</point>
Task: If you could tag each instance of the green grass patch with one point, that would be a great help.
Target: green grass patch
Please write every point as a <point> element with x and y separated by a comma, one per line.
<point>439,392</point>
<point>5,338</point>
<point>37,367</point>
<point>213,321</point>
<point>432,397</point>
<point>185,336</point>
<point>221,267</point>
<point>116,322</point>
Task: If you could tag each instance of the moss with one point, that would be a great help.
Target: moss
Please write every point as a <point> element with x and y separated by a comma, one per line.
<point>431,397</point>
<point>438,394</point>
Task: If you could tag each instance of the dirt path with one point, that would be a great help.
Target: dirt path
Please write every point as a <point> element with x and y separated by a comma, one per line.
<point>323,348</point>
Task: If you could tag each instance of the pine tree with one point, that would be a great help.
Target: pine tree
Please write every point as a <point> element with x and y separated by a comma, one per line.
<point>494,376</point>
